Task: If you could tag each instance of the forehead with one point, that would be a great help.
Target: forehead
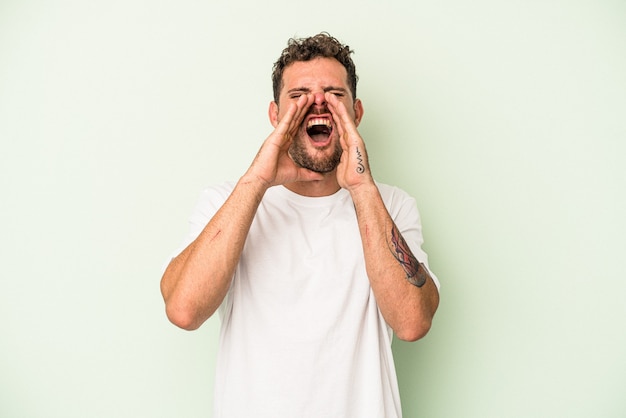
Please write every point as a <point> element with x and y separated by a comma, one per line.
<point>316,73</point>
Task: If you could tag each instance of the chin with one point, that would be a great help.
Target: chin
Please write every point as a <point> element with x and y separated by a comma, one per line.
<point>322,165</point>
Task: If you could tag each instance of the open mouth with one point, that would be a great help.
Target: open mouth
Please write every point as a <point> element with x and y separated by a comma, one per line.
<point>319,130</point>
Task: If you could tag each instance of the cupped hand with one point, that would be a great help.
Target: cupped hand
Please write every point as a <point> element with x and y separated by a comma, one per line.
<point>272,164</point>
<point>353,169</point>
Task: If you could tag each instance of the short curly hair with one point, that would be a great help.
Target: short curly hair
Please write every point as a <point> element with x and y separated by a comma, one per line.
<point>305,49</point>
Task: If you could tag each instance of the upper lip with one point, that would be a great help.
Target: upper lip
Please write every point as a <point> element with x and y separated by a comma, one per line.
<point>319,121</point>
<point>323,116</point>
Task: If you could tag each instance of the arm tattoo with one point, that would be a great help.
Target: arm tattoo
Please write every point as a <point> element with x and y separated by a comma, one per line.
<point>359,158</point>
<point>415,273</point>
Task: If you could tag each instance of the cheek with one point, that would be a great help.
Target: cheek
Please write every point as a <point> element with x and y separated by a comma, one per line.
<point>280,110</point>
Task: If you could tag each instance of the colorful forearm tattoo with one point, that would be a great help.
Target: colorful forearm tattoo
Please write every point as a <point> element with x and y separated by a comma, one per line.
<point>415,272</point>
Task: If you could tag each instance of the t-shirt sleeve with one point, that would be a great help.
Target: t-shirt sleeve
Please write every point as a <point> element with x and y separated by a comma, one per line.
<point>404,212</point>
<point>210,201</point>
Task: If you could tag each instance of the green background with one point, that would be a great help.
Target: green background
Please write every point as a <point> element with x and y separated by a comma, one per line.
<point>506,120</point>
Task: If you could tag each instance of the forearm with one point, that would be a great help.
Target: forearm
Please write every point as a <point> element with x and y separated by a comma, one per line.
<point>405,293</point>
<point>197,280</point>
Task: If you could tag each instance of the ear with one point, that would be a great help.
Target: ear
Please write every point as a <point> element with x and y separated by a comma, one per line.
<point>358,111</point>
<point>272,112</point>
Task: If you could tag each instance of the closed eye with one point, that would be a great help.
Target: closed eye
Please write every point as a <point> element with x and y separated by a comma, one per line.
<point>295,93</point>
<point>337,91</point>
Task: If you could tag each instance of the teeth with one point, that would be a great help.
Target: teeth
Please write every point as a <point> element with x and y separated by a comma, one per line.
<point>318,121</point>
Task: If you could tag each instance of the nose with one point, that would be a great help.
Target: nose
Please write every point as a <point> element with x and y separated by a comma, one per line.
<point>320,99</point>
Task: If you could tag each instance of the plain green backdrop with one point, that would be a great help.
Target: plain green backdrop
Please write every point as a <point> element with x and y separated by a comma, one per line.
<point>505,119</point>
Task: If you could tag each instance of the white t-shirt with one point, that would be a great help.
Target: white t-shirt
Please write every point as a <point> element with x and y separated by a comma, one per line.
<point>301,333</point>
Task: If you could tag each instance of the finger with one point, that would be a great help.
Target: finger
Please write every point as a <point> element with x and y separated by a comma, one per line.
<point>332,102</point>
<point>304,103</point>
<point>338,125</point>
<point>346,122</point>
<point>293,116</point>
<point>286,120</point>
<point>283,124</point>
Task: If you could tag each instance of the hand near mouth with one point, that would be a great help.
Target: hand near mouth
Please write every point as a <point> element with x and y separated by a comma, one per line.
<point>272,164</point>
<point>353,169</point>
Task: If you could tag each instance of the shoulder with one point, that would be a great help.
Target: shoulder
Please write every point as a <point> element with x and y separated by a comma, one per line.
<point>220,189</point>
<point>217,192</point>
<point>401,206</point>
<point>210,200</point>
<point>393,195</point>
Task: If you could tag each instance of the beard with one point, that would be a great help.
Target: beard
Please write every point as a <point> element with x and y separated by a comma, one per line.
<point>317,161</point>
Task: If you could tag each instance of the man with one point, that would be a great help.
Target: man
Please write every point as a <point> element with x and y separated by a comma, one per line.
<point>311,263</point>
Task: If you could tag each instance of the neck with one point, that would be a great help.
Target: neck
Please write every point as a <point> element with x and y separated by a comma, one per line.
<point>318,188</point>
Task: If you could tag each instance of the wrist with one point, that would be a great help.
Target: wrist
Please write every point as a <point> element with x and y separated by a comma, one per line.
<point>253,182</point>
<point>363,189</point>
